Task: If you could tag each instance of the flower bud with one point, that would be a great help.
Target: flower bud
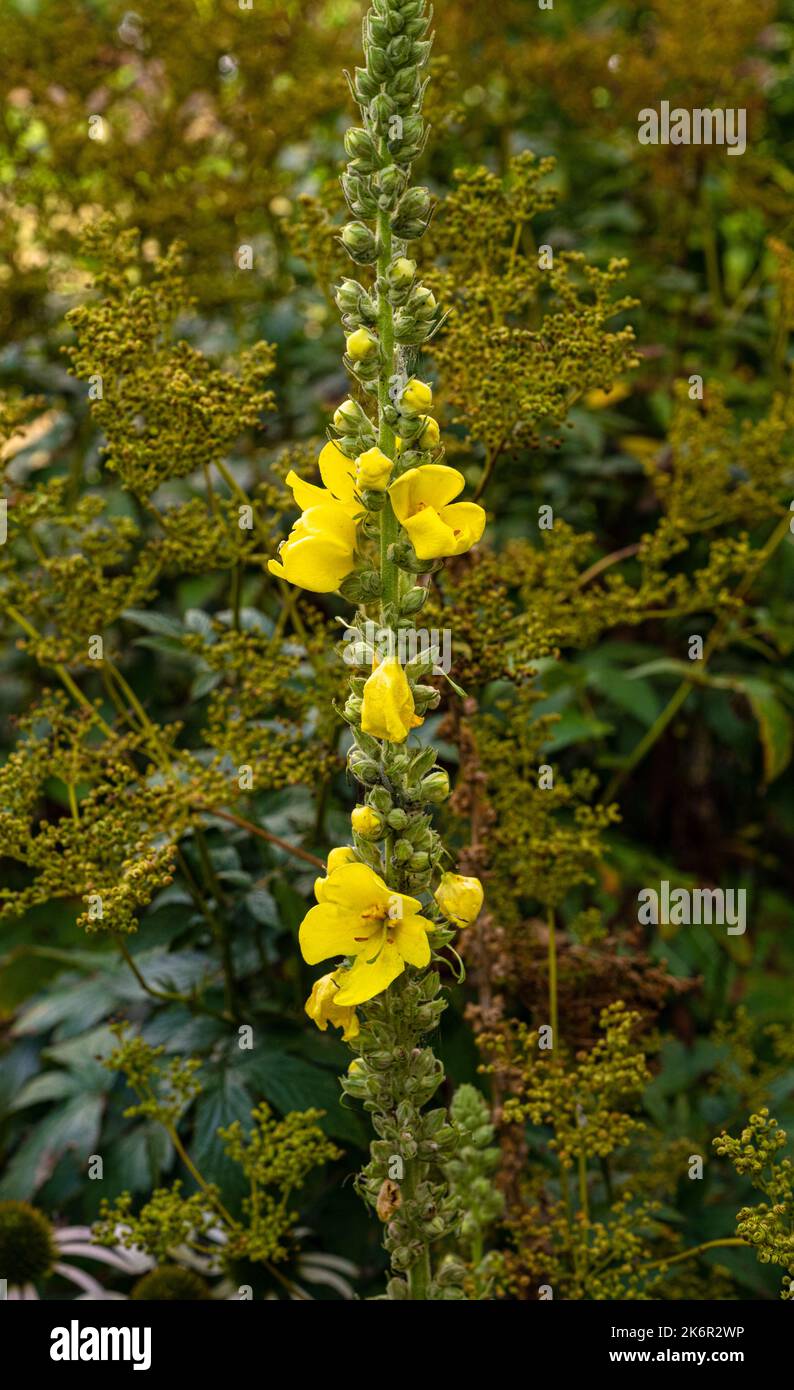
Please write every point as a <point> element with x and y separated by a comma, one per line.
<point>350,416</point>
<point>359,241</point>
<point>423,304</point>
<point>380,799</point>
<point>359,194</point>
<point>390,182</point>
<point>373,470</point>
<point>381,110</point>
<point>402,852</point>
<point>401,274</point>
<point>459,898</point>
<point>361,345</point>
<point>366,823</point>
<point>412,214</point>
<point>435,786</point>
<point>431,434</point>
<point>360,146</point>
<point>413,600</point>
<point>363,767</point>
<point>417,397</point>
<point>397,819</point>
<point>349,295</point>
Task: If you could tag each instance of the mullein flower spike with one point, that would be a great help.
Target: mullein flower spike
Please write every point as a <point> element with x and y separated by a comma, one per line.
<point>385,514</point>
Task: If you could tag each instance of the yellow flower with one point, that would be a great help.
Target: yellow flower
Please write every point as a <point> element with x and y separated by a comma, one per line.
<point>459,898</point>
<point>339,476</point>
<point>357,915</point>
<point>361,345</point>
<point>323,1008</point>
<point>319,551</point>
<point>421,499</point>
<point>431,434</point>
<point>388,709</point>
<point>366,823</point>
<point>417,396</point>
<point>373,470</point>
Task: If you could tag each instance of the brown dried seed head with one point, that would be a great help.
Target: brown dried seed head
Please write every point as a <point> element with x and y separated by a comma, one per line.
<point>389,1199</point>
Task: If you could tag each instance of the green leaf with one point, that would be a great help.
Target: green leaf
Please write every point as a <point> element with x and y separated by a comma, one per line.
<point>50,1085</point>
<point>74,1125</point>
<point>290,1083</point>
<point>774,721</point>
<point>153,622</point>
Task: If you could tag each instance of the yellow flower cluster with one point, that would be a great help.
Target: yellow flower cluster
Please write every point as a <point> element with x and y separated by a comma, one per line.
<point>320,551</point>
<point>359,917</point>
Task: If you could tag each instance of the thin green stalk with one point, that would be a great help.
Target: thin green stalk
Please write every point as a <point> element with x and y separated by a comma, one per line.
<point>696,1250</point>
<point>386,438</point>
<point>61,671</point>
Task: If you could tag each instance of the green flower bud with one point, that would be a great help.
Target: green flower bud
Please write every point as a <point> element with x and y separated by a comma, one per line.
<point>363,767</point>
<point>378,63</point>
<point>404,555</point>
<point>399,51</point>
<point>413,211</point>
<point>359,242</point>
<point>435,786</point>
<point>413,600</point>
<point>352,708</point>
<point>349,295</point>
<point>390,183</point>
<point>408,330</point>
<point>350,416</point>
<point>365,86</point>
<point>360,146</point>
<point>362,586</point>
<point>381,111</point>
<point>402,852</point>
<point>404,86</point>
<point>423,304</point>
<point>399,279</point>
<point>397,819</point>
<point>381,801</point>
<point>360,196</point>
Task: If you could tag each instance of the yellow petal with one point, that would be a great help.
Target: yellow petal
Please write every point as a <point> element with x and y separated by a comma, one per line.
<point>388,710</point>
<point>429,535</point>
<point>322,1007</point>
<point>432,485</point>
<point>330,521</point>
<point>357,888</point>
<point>314,563</point>
<point>337,857</point>
<point>467,522</point>
<point>338,473</point>
<point>365,979</point>
<point>326,931</point>
<point>410,938</point>
<point>307,494</point>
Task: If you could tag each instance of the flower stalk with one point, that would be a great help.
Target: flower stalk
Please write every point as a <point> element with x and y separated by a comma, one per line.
<point>385,515</point>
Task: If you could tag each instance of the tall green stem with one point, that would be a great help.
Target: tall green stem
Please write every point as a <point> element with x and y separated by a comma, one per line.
<point>386,437</point>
